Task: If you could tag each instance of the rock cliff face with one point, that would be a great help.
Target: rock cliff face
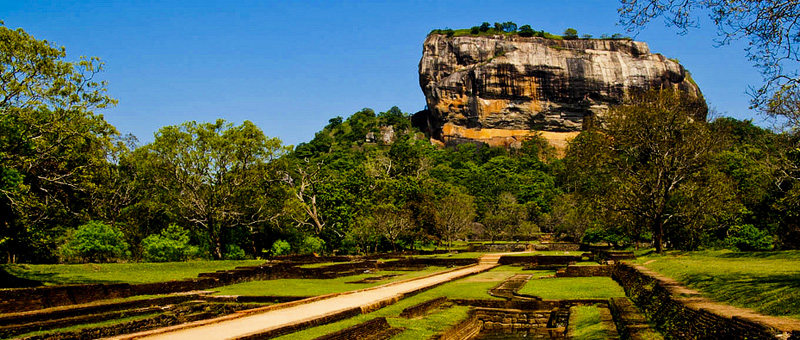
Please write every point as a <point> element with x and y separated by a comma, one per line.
<point>499,89</point>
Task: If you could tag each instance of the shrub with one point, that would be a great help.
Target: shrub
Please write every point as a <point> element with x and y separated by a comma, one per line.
<point>171,245</point>
<point>312,244</point>
<point>570,33</point>
<point>234,252</point>
<point>526,31</point>
<point>280,247</point>
<point>747,238</point>
<point>94,242</point>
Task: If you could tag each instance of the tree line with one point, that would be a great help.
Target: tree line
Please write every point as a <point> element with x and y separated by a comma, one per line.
<point>72,189</point>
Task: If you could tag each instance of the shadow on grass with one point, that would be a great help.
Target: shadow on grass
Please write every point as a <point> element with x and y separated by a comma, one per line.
<point>771,294</point>
<point>42,278</point>
<point>782,255</point>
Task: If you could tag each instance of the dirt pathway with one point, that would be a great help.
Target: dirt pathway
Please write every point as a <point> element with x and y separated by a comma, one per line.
<point>236,326</point>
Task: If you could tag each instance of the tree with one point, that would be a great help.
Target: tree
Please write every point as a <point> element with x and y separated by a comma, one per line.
<point>570,33</point>
<point>526,31</point>
<point>94,242</point>
<point>392,222</point>
<point>484,27</point>
<point>51,142</point>
<point>216,175</point>
<point>770,27</point>
<point>503,217</point>
<point>655,153</point>
<point>455,212</point>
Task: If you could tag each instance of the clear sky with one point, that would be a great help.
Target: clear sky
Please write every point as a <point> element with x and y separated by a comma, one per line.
<point>289,66</point>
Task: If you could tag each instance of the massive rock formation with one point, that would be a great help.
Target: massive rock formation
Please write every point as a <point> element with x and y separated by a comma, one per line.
<point>499,89</point>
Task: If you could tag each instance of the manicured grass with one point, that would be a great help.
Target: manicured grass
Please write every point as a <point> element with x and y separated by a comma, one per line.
<point>768,282</point>
<point>588,263</point>
<point>461,255</point>
<point>314,287</point>
<point>585,323</point>
<point>547,253</point>
<point>121,272</point>
<point>318,265</point>
<point>573,288</point>
<point>472,287</point>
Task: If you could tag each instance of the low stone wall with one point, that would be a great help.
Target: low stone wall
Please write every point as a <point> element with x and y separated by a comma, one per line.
<point>512,318</point>
<point>499,247</point>
<point>466,329</point>
<point>44,315</point>
<point>584,271</point>
<point>540,260</point>
<point>631,323</point>
<point>558,246</point>
<point>422,308</point>
<point>677,320</point>
<point>374,329</point>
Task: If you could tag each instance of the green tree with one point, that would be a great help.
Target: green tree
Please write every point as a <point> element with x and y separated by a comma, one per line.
<point>570,33</point>
<point>654,154</point>
<point>94,242</point>
<point>172,244</point>
<point>216,175</point>
<point>453,215</point>
<point>51,142</point>
<point>504,217</point>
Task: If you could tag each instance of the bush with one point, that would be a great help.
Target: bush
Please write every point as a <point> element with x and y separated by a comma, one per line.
<point>570,33</point>
<point>234,252</point>
<point>280,247</point>
<point>171,245</point>
<point>312,244</point>
<point>94,242</point>
<point>747,238</point>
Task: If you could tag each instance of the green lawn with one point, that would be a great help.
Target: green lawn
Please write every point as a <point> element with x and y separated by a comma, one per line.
<point>573,288</point>
<point>314,287</point>
<point>472,287</point>
<point>585,323</point>
<point>121,272</point>
<point>461,255</point>
<point>768,282</point>
<point>547,253</point>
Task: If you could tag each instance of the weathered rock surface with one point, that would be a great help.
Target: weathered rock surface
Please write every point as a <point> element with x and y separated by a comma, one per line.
<point>500,89</point>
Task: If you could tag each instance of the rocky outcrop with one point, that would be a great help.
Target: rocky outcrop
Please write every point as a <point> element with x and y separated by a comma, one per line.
<point>500,89</point>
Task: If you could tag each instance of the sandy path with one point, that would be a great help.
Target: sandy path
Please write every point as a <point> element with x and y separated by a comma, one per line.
<point>228,328</point>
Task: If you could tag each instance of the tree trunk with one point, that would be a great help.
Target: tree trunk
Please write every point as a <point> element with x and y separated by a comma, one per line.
<point>658,235</point>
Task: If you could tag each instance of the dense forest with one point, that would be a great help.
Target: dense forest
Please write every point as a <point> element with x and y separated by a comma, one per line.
<point>72,189</point>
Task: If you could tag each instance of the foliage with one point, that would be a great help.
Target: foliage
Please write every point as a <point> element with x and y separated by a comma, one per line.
<point>649,165</point>
<point>770,27</point>
<point>94,242</point>
<point>570,33</point>
<point>747,237</point>
<point>311,245</point>
<point>215,174</point>
<point>172,244</point>
<point>234,252</point>
<point>280,247</point>
<point>52,143</point>
<point>453,215</point>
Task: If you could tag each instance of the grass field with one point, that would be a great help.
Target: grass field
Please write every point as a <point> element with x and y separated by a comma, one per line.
<point>121,272</point>
<point>573,288</point>
<point>313,287</point>
<point>585,323</point>
<point>768,282</point>
<point>472,287</point>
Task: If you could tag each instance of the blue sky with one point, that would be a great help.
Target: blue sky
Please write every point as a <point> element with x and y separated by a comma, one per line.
<point>290,66</point>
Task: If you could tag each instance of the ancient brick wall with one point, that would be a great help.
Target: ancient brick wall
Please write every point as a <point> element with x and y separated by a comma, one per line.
<point>676,319</point>
<point>584,271</point>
